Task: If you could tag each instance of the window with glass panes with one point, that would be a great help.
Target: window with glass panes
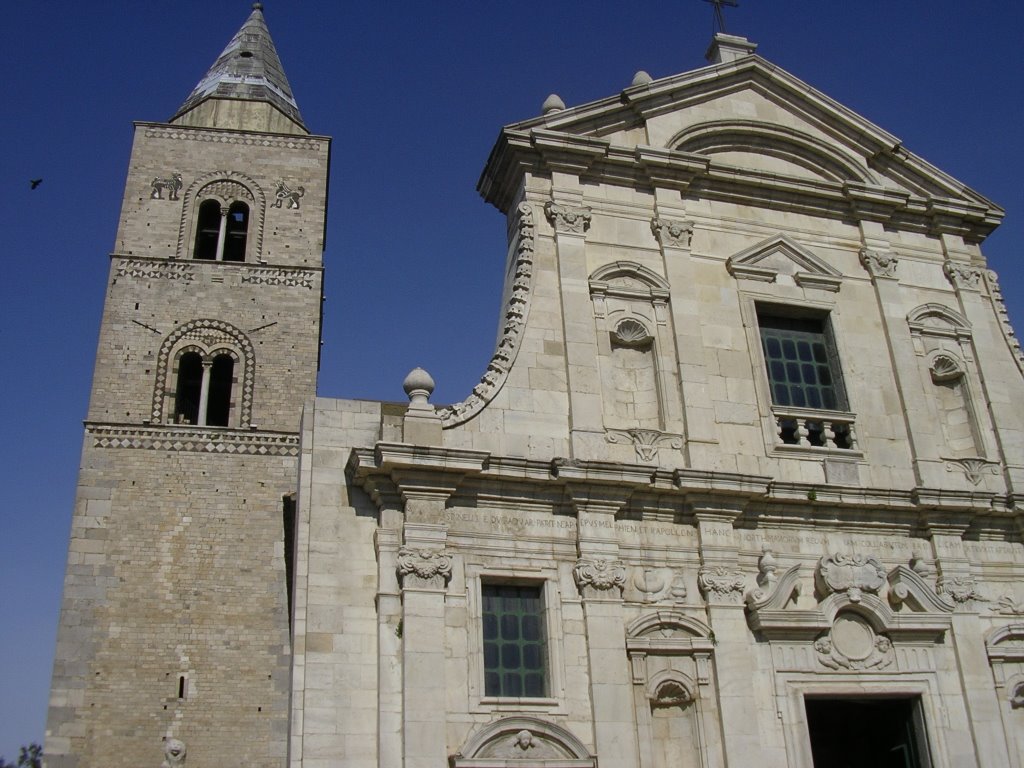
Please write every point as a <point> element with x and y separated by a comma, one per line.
<point>514,640</point>
<point>803,368</point>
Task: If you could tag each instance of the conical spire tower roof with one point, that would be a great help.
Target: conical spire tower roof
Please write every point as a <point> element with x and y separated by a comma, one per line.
<point>247,70</point>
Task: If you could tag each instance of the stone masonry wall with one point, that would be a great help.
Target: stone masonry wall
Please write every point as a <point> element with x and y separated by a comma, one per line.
<point>175,568</point>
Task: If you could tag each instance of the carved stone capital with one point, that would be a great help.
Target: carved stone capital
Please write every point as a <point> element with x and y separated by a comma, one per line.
<point>878,263</point>
<point>962,276</point>
<point>568,219</point>
<point>424,567</point>
<point>721,584</point>
<point>670,232</point>
<point>600,577</point>
<point>853,574</point>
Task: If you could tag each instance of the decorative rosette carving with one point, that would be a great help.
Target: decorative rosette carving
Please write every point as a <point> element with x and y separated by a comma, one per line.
<point>430,567</point>
<point>597,577</point>
<point>853,574</point>
<point>516,312</point>
<point>568,219</point>
<point>670,232</point>
<point>721,584</point>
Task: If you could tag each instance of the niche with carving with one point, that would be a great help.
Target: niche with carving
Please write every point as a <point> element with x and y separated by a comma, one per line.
<point>942,341</point>
<point>639,388</point>
<point>670,659</point>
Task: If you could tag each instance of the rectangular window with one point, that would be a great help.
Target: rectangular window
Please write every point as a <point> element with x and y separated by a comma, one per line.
<point>514,640</point>
<point>803,367</point>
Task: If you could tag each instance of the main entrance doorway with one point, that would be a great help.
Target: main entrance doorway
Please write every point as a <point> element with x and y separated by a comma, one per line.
<point>857,732</point>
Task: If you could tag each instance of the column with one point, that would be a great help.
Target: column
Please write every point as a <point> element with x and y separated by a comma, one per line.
<point>222,233</point>
<point>204,392</point>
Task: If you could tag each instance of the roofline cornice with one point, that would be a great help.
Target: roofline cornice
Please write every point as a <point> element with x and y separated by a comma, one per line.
<point>229,131</point>
<point>542,151</point>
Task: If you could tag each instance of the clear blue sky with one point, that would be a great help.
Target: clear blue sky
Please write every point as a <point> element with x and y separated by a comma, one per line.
<point>414,94</point>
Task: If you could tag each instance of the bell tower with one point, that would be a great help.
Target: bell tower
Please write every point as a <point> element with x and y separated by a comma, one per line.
<point>175,616</point>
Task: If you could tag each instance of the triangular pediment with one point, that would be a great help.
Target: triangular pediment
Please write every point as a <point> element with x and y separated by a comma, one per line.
<point>749,126</point>
<point>781,255</point>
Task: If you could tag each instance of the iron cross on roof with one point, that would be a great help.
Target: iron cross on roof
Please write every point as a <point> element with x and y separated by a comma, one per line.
<point>719,23</point>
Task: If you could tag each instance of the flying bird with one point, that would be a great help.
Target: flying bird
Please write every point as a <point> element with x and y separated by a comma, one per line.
<point>35,182</point>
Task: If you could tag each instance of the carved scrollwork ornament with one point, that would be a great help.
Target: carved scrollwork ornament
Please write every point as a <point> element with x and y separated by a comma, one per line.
<point>1008,605</point>
<point>962,276</point>
<point>880,656</point>
<point>878,263</point>
<point>598,577</point>
<point>432,566</point>
<point>568,219</point>
<point>853,574</point>
<point>646,442</point>
<point>721,584</point>
<point>962,590</point>
<point>974,469</point>
<point>669,232</point>
<point>516,312</point>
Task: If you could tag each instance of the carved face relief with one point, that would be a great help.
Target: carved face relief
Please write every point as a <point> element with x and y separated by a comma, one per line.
<point>174,753</point>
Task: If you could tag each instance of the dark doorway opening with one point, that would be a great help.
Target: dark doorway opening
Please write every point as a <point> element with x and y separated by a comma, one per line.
<point>876,732</point>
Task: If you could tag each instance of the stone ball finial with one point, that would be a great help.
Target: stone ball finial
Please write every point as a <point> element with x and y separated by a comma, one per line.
<point>552,103</point>
<point>642,78</point>
<point>257,6</point>
<point>418,385</point>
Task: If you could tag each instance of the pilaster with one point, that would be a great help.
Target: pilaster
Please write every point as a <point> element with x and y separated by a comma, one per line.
<point>600,577</point>
<point>674,233</point>
<point>722,584</point>
<point>959,585</point>
<point>570,220</point>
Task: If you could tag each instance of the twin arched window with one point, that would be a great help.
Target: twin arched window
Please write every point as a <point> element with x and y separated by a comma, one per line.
<point>221,231</point>
<point>203,393</point>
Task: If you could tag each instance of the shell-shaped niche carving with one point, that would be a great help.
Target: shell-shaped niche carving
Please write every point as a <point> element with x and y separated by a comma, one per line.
<point>632,333</point>
<point>945,368</point>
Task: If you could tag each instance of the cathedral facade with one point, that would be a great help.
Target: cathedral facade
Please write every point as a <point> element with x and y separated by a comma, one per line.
<point>741,483</point>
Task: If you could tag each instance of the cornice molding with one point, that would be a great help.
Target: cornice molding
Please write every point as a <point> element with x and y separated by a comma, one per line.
<point>190,439</point>
<point>535,151</point>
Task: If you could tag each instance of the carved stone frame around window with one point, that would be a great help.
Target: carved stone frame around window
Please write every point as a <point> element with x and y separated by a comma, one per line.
<point>547,579</point>
<point>795,302</point>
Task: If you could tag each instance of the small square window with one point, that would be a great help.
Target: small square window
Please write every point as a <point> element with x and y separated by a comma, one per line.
<point>801,361</point>
<point>514,640</point>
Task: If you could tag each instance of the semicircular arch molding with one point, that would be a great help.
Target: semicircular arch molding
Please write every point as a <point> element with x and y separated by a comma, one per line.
<point>664,622</point>
<point>207,337</point>
<point>937,317</point>
<point>223,185</point>
<point>502,738</point>
<point>755,137</point>
<point>628,279</point>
